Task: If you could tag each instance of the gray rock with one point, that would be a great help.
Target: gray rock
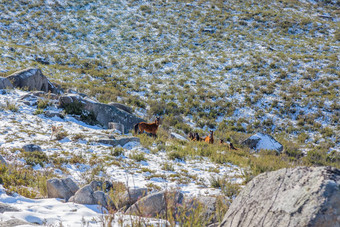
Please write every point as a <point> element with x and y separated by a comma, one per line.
<point>302,196</point>
<point>122,107</point>
<point>262,141</point>
<point>89,194</point>
<point>116,126</point>
<point>154,205</point>
<point>49,113</point>
<point>15,222</point>
<point>3,161</point>
<point>132,196</point>
<point>31,147</point>
<point>61,188</point>
<point>103,113</point>
<point>7,208</point>
<point>31,78</point>
<point>5,83</point>
<point>119,141</point>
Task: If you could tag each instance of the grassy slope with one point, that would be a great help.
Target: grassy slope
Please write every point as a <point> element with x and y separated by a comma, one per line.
<point>264,66</point>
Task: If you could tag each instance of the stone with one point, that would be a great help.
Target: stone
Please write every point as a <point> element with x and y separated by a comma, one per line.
<point>116,126</point>
<point>90,194</point>
<point>15,222</point>
<point>103,113</point>
<point>130,197</point>
<point>3,161</point>
<point>61,188</point>
<point>31,148</point>
<point>261,141</point>
<point>122,107</point>
<point>301,196</point>
<point>5,83</point>
<point>7,208</point>
<point>154,205</point>
<point>119,141</point>
<point>50,113</point>
<point>30,78</point>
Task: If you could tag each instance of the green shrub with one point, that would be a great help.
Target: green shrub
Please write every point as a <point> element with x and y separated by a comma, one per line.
<point>138,156</point>
<point>35,158</point>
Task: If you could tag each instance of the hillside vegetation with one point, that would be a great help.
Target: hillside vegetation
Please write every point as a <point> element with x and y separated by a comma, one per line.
<point>237,67</point>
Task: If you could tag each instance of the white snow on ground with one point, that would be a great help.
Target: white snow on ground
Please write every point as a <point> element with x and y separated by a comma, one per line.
<point>17,128</point>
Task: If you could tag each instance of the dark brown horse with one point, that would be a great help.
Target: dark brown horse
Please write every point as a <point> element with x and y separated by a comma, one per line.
<point>148,127</point>
<point>194,136</point>
<point>210,138</point>
<point>229,145</point>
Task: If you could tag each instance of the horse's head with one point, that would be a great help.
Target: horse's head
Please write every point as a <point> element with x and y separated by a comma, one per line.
<point>158,120</point>
<point>211,132</point>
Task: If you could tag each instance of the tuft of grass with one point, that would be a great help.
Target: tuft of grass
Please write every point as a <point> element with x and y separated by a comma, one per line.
<point>138,156</point>
<point>35,158</point>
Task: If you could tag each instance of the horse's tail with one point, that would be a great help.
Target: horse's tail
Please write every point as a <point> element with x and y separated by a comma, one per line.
<point>136,128</point>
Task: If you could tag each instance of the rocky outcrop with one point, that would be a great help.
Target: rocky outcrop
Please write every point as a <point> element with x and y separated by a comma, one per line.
<point>90,194</point>
<point>303,196</point>
<point>154,205</point>
<point>103,113</point>
<point>61,188</point>
<point>7,208</point>
<point>116,126</point>
<point>31,148</point>
<point>31,78</point>
<point>15,222</point>
<point>261,141</point>
<point>122,107</point>
<point>5,83</point>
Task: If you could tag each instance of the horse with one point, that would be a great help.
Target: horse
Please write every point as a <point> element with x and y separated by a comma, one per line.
<point>55,130</point>
<point>148,127</point>
<point>210,138</point>
<point>194,136</point>
<point>229,145</point>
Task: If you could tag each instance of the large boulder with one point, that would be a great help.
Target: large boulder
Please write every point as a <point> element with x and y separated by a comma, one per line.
<point>90,194</point>
<point>61,188</point>
<point>261,141</point>
<point>102,112</point>
<point>5,83</point>
<point>302,196</point>
<point>154,205</point>
<point>32,79</point>
<point>122,107</point>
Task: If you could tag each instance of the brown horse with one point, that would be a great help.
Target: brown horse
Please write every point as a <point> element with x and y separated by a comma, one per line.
<point>148,127</point>
<point>210,138</point>
<point>194,136</point>
<point>229,145</point>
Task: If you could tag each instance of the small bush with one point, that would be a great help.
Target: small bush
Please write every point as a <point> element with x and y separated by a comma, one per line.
<point>117,151</point>
<point>137,156</point>
<point>35,158</point>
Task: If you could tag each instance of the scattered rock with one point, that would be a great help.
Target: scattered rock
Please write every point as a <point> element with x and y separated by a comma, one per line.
<point>5,83</point>
<point>3,161</point>
<point>122,107</point>
<point>132,196</point>
<point>116,126</point>
<point>61,188</point>
<point>90,195</point>
<point>119,141</point>
<point>7,208</point>
<point>302,196</point>
<point>103,113</point>
<point>31,147</point>
<point>31,78</point>
<point>261,141</point>
<point>49,113</point>
<point>15,222</point>
<point>154,205</point>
